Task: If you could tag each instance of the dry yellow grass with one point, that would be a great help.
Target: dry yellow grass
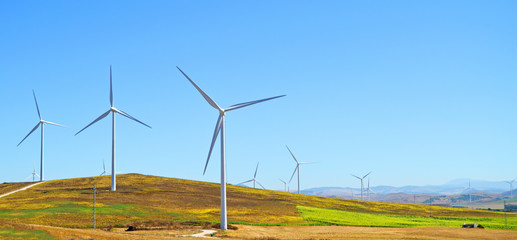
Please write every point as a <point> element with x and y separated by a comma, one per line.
<point>247,232</point>
<point>9,187</point>
<point>341,232</point>
<point>59,233</point>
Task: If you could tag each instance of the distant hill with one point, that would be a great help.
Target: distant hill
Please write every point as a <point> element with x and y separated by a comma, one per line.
<point>454,192</point>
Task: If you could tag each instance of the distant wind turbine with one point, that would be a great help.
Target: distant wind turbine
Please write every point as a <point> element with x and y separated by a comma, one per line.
<point>285,184</point>
<point>369,190</point>
<point>42,123</point>
<point>113,110</point>
<point>104,169</point>
<point>511,186</point>
<point>468,190</point>
<point>297,168</point>
<point>362,186</point>
<point>219,127</point>
<point>254,180</point>
<point>33,172</point>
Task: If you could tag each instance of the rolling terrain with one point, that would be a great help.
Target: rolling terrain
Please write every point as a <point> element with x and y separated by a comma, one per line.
<point>150,202</point>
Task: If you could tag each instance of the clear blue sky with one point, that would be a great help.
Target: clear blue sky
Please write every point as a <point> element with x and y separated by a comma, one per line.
<point>419,92</point>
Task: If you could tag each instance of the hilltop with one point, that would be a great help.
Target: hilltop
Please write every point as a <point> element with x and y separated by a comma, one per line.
<point>161,201</point>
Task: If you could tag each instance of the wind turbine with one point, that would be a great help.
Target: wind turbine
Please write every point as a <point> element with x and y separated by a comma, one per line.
<point>511,187</point>
<point>42,123</point>
<point>113,110</point>
<point>285,184</point>
<point>468,189</point>
<point>361,182</point>
<point>297,168</point>
<point>103,167</point>
<point>254,180</point>
<point>219,127</point>
<point>368,190</point>
<point>33,172</point>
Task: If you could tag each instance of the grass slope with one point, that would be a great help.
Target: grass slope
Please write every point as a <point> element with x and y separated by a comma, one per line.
<point>9,187</point>
<point>338,217</point>
<point>141,198</point>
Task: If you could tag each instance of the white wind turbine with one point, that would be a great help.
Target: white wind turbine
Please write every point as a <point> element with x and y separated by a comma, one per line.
<point>285,184</point>
<point>468,190</point>
<point>511,186</point>
<point>362,186</point>
<point>254,180</point>
<point>33,172</point>
<point>369,190</point>
<point>103,167</point>
<point>42,123</point>
<point>113,110</point>
<point>297,168</point>
<point>219,127</point>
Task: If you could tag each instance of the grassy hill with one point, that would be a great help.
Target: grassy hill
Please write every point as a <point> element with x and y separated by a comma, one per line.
<point>142,199</point>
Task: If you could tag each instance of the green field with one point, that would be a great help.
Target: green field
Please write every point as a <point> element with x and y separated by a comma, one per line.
<point>339,217</point>
<point>15,234</point>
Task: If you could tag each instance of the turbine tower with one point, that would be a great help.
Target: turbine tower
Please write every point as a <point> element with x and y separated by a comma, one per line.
<point>511,187</point>
<point>40,123</point>
<point>254,180</point>
<point>297,168</point>
<point>219,127</point>
<point>285,184</point>
<point>362,186</point>
<point>113,111</point>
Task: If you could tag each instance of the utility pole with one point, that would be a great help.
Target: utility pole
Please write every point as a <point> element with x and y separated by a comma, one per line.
<point>94,193</point>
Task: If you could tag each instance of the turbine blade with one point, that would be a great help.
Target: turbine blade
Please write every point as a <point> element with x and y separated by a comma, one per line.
<point>356,176</point>
<point>56,124</point>
<point>207,98</point>
<point>291,153</point>
<point>132,118</point>
<point>282,181</point>
<point>260,184</point>
<point>255,176</point>
<point>245,182</point>
<point>295,169</point>
<point>216,133</point>
<point>34,129</point>
<point>36,101</point>
<point>367,174</point>
<point>241,105</point>
<point>111,89</point>
<point>96,120</point>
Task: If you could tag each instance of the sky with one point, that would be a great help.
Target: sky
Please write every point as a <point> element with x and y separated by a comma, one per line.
<point>418,92</point>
